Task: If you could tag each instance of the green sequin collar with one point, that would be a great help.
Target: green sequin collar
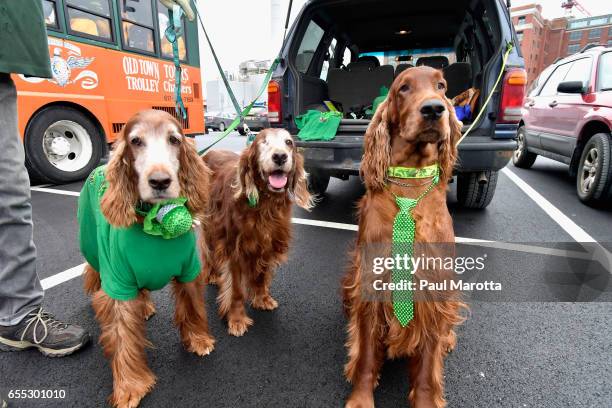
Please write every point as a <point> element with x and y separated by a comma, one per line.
<point>413,172</point>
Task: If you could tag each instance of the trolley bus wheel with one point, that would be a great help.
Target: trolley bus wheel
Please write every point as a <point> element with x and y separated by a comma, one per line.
<point>62,145</point>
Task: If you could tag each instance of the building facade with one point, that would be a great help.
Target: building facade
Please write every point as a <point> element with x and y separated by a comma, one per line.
<point>544,41</point>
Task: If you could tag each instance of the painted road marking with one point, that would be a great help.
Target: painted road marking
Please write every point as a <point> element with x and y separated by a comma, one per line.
<point>577,233</point>
<point>55,191</point>
<point>62,277</point>
<point>78,270</point>
<point>594,249</point>
<point>325,224</point>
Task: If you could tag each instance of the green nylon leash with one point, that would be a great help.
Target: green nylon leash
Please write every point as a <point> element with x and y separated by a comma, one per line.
<point>241,114</point>
<point>404,228</point>
<point>214,54</point>
<point>173,32</point>
<point>247,109</point>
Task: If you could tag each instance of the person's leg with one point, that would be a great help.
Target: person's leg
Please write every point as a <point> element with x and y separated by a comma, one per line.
<point>20,289</point>
<point>23,322</point>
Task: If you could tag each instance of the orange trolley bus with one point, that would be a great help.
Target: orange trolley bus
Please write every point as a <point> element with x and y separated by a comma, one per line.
<point>109,59</point>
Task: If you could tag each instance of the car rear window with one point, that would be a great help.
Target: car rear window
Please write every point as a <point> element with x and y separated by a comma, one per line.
<point>410,56</point>
<point>308,46</point>
<point>605,72</point>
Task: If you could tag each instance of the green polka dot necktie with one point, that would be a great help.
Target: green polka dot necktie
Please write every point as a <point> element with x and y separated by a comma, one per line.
<point>404,228</point>
<point>403,243</point>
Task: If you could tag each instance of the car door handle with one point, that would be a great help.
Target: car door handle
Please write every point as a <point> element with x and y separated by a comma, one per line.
<point>530,104</point>
<point>553,104</point>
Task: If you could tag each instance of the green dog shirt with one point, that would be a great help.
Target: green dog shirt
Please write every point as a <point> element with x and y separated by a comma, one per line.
<point>128,259</point>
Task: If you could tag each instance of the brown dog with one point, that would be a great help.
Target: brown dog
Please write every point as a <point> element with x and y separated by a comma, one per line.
<point>152,162</point>
<point>415,127</point>
<point>249,228</point>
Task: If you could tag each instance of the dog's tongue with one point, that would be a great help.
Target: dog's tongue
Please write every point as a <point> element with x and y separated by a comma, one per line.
<point>277,180</point>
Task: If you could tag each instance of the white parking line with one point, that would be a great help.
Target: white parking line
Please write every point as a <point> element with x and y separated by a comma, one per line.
<point>541,201</point>
<point>325,224</point>
<point>577,233</point>
<point>595,251</point>
<point>55,191</point>
<point>62,277</point>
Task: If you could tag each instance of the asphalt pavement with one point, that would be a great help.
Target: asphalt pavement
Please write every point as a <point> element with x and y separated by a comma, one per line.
<point>547,344</point>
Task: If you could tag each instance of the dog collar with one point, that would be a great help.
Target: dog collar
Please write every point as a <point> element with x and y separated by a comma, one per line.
<point>252,200</point>
<point>413,172</point>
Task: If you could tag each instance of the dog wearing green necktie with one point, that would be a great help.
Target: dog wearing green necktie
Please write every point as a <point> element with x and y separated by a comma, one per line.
<point>409,154</point>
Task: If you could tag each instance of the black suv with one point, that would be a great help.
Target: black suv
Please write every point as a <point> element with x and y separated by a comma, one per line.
<point>344,51</point>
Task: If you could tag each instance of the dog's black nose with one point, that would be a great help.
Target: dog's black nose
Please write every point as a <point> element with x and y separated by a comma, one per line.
<point>432,109</point>
<point>279,158</point>
<point>159,182</point>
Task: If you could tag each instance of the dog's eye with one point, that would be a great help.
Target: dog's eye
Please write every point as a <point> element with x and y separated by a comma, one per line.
<point>405,88</point>
<point>174,140</point>
<point>441,85</point>
<point>136,141</point>
<point>289,142</point>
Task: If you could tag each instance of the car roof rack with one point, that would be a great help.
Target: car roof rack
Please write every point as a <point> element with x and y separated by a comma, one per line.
<point>589,46</point>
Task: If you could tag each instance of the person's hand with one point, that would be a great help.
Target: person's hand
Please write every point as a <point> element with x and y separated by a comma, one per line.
<point>185,5</point>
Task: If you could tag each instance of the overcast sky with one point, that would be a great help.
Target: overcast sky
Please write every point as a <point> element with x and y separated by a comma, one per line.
<point>552,8</point>
<point>243,29</point>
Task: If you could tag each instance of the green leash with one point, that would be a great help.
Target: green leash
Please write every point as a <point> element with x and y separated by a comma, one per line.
<point>246,110</point>
<point>264,86</point>
<point>404,228</point>
<point>173,32</point>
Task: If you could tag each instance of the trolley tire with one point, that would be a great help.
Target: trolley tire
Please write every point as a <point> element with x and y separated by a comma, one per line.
<point>37,163</point>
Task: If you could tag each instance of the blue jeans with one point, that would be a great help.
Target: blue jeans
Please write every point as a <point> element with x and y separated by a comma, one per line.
<point>20,289</point>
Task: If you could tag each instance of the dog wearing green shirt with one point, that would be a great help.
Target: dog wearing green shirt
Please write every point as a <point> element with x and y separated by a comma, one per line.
<point>135,230</point>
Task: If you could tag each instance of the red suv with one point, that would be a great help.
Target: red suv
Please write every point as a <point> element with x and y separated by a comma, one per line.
<point>567,116</point>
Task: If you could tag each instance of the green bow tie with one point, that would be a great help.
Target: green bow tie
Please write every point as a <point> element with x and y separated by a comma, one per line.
<point>403,243</point>
<point>168,219</point>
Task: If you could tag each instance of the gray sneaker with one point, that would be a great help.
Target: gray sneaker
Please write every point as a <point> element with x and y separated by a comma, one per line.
<point>40,329</point>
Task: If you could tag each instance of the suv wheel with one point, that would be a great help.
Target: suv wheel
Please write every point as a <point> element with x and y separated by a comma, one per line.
<point>522,157</point>
<point>318,182</point>
<point>471,193</point>
<point>221,127</point>
<point>594,180</point>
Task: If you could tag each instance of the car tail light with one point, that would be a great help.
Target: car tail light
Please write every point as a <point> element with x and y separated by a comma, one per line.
<point>274,102</point>
<point>512,95</point>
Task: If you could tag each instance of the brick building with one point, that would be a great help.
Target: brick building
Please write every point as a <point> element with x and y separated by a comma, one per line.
<point>544,41</point>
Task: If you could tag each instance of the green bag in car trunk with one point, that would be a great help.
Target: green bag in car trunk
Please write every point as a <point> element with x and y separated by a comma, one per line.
<point>384,91</point>
<point>316,125</point>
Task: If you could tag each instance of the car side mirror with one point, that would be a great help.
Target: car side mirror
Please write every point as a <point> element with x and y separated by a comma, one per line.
<point>571,87</point>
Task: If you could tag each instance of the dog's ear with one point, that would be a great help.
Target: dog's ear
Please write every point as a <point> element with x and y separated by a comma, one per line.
<point>247,171</point>
<point>298,184</point>
<point>377,148</point>
<point>448,148</point>
<point>119,200</point>
<point>193,177</point>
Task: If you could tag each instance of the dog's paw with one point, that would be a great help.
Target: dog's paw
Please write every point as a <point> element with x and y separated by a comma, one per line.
<point>200,344</point>
<point>149,310</point>
<point>266,302</point>
<point>360,400</point>
<point>213,279</point>
<point>130,396</point>
<point>238,326</point>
